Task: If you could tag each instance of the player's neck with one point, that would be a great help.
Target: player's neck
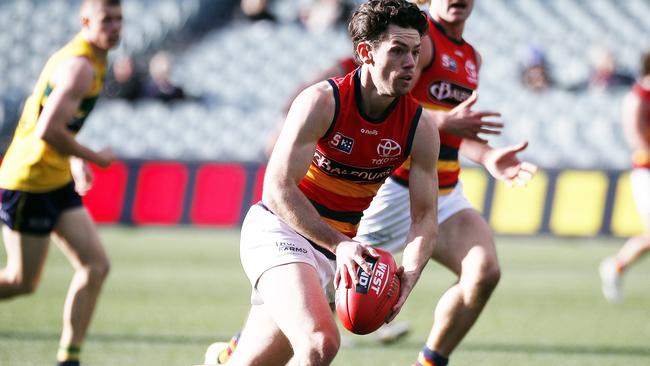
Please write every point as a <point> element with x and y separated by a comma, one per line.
<point>373,103</point>
<point>453,30</point>
<point>100,53</point>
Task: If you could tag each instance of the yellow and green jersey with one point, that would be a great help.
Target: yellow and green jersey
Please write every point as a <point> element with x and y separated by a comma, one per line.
<point>30,164</point>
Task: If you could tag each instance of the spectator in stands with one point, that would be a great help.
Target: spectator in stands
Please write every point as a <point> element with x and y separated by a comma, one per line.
<point>257,10</point>
<point>320,15</point>
<point>636,123</point>
<point>535,75</point>
<point>124,80</point>
<point>605,74</point>
<point>159,84</point>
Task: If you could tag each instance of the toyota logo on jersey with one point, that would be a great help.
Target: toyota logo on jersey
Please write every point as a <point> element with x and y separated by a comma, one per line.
<point>388,148</point>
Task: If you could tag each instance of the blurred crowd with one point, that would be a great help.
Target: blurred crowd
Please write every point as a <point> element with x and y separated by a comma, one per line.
<point>604,75</point>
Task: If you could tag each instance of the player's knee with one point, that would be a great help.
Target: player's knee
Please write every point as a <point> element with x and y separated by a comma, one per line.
<point>322,347</point>
<point>21,286</point>
<point>490,276</point>
<point>482,282</point>
<point>95,273</point>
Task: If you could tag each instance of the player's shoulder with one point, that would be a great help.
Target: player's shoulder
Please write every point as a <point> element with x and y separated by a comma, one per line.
<point>76,73</point>
<point>427,128</point>
<point>320,95</point>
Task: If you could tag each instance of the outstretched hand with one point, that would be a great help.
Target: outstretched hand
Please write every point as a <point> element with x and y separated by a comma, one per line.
<point>504,165</point>
<point>463,122</point>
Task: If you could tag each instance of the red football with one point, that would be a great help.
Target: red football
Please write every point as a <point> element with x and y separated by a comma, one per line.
<point>363,308</point>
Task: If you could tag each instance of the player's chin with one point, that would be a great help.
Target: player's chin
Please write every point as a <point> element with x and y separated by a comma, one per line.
<point>402,88</point>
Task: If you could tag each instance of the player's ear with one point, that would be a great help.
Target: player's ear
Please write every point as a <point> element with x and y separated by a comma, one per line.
<point>364,50</point>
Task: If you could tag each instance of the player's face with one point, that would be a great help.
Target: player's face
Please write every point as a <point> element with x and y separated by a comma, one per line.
<point>395,59</point>
<point>453,11</point>
<point>104,25</point>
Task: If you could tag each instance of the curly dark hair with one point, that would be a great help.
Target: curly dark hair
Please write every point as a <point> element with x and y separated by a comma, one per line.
<point>371,20</point>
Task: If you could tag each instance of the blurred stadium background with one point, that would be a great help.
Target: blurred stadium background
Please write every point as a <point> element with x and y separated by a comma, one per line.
<point>199,162</point>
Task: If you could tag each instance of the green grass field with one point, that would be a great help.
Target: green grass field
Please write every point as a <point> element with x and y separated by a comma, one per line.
<point>171,292</point>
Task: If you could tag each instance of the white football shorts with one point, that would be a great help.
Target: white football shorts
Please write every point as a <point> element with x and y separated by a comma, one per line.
<point>268,242</point>
<point>386,222</point>
<point>640,180</point>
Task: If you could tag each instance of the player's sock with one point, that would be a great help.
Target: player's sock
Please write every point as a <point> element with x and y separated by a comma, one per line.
<point>68,356</point>
<point>224,355</point>
<point>68,363</point>
<point>428,357</point>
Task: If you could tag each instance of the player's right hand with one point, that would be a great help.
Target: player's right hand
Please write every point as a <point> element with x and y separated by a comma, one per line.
<point>463,122</point>
<point>105,157</point>
<point>350,255</point>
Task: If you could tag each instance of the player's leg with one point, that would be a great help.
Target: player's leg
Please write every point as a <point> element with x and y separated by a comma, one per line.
<point>292,285</point>
<point>465,246</point>
<point>295,303</point>
<point>78,239</point>
<point>26,255</point>
<point>612,268</point>
<point>262,343</point>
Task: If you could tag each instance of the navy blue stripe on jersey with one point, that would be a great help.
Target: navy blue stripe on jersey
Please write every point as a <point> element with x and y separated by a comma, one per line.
<point>337,106</point>
<point>448,153</point>
<point>349,217</point>
<point>414,126</point>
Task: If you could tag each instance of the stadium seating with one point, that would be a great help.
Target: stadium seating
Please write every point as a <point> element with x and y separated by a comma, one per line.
<point>244,72</point>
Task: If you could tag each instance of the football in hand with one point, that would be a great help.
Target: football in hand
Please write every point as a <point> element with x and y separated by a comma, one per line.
<point>363,308</point>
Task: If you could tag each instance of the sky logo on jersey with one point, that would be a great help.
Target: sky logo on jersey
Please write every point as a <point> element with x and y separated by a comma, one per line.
<point>449,63</point>
<point>342,143</point>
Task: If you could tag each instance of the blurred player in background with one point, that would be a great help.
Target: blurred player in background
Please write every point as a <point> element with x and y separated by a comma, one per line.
<point>44,173</point>
<point>448,69</point>
<point>342,138</point>
<point>449,76</point>
<point>636,124</point>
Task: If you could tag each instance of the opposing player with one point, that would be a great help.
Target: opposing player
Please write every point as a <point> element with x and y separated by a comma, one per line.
<point>636,124</point>
<point>44,173</point>
<point>341,140</point>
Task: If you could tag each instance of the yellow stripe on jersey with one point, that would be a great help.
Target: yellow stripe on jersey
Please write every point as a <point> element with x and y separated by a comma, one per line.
<point>407,163</point>
<point>30,164</point>
<point>448,165</point>
<point>343,227</point>
<point>339,186</point>
<point>434,107</point>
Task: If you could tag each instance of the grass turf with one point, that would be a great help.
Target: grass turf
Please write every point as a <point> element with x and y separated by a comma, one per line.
<point>171,292</point>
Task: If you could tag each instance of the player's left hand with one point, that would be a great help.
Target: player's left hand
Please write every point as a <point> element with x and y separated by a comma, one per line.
<point>407,282</point>
<point>82,176</point>
<point>504,165</point>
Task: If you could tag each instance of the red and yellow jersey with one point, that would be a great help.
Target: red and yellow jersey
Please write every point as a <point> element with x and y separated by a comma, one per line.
<point>357,154</point>
<point>641,158</point>
<point>30,164</point>
<point>445,83</point>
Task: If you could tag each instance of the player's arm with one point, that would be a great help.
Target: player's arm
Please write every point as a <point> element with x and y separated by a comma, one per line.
<point>309,118</point>
<point>502,163</point>
<point>635,112</point>
<point>423,192</point>
<point>74,80</point>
